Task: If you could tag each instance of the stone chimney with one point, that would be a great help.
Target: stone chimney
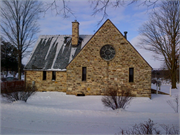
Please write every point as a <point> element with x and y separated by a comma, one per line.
<point>75,33</point>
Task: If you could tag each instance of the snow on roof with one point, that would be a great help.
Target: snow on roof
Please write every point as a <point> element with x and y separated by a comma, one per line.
<point>54,52</point>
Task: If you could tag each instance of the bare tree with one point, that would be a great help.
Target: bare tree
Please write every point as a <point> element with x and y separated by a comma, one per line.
<point>170,130</point>
<point>19,24</point>
<point>19,93</point>
<point>149,127</point>
<point>161,35</point>
<point>61,7</point>
<point>101,6</point>
<point>117,98</point>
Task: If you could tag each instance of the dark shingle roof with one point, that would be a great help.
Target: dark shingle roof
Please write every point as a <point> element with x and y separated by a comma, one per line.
<point>54,52</point>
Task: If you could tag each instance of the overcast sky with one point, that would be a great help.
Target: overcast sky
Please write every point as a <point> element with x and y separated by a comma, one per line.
<point>125,18</point>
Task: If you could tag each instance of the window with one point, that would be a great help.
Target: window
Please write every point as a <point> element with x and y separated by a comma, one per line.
<point>53,75</point>
<point>44,75</point>
<point>107,52</point>
<point>131,74</point>
<point>83,73</point>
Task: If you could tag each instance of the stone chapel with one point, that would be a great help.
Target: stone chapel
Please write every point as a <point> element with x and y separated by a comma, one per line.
<point>88,64</point>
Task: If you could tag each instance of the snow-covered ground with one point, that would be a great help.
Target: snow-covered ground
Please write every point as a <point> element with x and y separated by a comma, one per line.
<point>58,113</point>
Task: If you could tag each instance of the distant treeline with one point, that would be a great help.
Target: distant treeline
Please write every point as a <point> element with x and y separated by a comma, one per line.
<point>163,74</point>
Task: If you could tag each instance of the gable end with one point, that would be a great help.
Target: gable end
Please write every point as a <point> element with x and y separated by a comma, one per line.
<point>108,20</point>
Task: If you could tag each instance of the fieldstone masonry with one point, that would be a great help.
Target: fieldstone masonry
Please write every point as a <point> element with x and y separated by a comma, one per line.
<point>102,74</point>
<point>47,85</point>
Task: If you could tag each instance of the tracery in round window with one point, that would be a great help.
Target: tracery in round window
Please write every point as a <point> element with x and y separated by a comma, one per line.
<point>107,52</point>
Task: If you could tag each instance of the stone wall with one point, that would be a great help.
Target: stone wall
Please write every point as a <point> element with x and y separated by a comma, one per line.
<point>47,85</point>
<point>102,74</point>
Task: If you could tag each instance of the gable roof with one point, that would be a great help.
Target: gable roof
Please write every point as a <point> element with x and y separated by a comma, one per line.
<point>54,52</point>
<point>108,20</point>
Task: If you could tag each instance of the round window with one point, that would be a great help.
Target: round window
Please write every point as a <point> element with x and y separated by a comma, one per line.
<point>107,52</point>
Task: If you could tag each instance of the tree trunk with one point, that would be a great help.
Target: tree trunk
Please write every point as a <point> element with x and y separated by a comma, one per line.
<point>6,68</point>
<point>173,79</point>
<point>19,66</point>
<point>6,71</point>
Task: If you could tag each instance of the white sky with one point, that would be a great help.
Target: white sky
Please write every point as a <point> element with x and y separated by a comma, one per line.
<point>125,18</point>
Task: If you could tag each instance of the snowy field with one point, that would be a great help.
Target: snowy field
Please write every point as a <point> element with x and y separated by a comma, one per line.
<point>58,113</point>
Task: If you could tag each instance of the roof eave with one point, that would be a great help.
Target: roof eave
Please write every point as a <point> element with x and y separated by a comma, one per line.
<point>60,70</point>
